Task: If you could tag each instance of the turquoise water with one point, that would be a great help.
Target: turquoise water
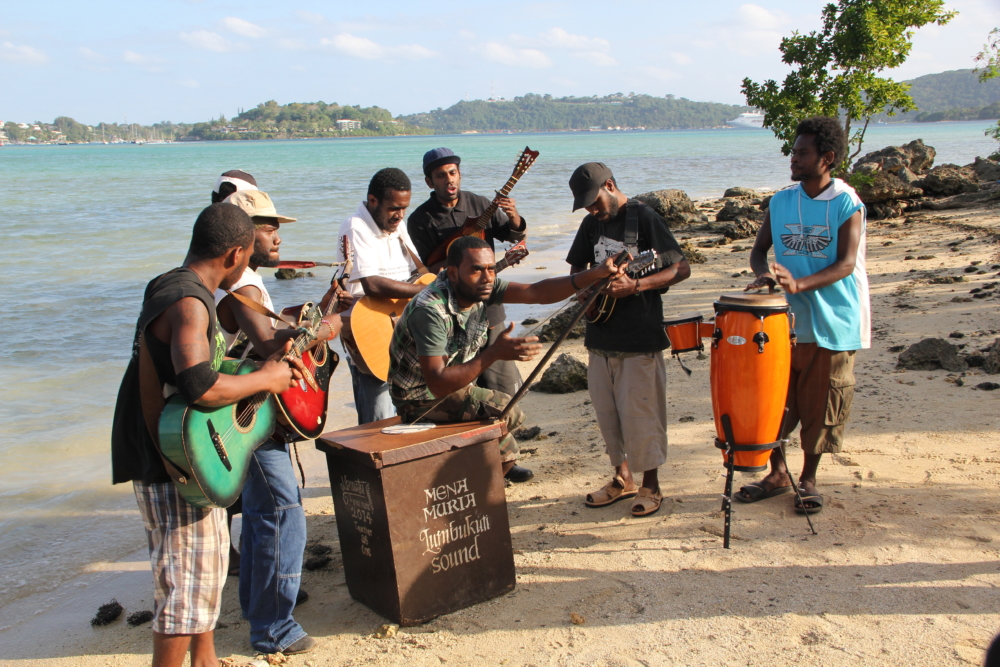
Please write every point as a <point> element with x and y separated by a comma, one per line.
<point>87,226</point>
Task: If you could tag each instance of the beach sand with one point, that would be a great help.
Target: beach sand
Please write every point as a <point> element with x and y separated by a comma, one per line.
<point>903,570</point>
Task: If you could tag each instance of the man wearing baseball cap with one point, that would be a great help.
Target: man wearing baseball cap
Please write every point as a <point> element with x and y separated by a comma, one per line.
<point>626,373</point>
<point>274,522</point>
<point>444,212</point>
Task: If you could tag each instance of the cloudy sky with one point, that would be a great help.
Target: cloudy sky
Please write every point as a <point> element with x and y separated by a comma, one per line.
<point>190,60</point>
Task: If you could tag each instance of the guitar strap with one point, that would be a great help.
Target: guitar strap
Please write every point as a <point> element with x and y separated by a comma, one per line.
<point>151,398</point>
<point>260,308</point>
<point>631,240</point>
<point>416,260</point>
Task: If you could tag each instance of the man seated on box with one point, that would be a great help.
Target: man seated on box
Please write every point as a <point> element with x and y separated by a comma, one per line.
<point>439,347</point>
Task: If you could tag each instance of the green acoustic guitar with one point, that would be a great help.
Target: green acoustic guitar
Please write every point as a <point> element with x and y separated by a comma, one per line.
<point>214,445</point>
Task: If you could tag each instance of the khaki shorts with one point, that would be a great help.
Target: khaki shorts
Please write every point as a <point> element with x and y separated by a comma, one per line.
<point>820,393</point>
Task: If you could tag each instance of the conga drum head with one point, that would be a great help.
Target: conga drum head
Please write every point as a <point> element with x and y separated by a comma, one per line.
<point>752,302</point>
<point>683,318</point>
<point>684,332</point>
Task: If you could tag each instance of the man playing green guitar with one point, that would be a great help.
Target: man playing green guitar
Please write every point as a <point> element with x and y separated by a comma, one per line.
<point>178,349</point>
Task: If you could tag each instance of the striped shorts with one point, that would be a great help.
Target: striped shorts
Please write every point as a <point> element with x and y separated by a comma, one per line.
<point>189,554</point>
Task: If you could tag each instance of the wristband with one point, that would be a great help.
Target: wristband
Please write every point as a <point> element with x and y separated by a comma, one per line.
<point>572,281</point>
<point>333,333</point>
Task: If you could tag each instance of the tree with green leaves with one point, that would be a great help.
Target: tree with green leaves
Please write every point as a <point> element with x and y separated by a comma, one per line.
<point>837,68</point>
<point>988,67</point>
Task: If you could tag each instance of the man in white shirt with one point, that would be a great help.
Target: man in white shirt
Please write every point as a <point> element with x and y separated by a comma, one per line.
<point>384,258</point>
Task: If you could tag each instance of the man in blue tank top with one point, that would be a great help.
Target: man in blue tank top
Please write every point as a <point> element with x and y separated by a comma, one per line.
<point>817,229</point>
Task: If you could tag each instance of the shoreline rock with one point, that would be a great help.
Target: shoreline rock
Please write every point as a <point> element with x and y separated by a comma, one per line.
<point>674,206</point>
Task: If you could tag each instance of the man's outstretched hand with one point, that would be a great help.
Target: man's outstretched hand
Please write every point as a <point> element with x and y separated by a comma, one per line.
<point>510,348</point>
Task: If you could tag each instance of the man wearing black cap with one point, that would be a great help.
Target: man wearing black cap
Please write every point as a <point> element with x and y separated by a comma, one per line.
<point>444,212</point>
<point>626,372</point>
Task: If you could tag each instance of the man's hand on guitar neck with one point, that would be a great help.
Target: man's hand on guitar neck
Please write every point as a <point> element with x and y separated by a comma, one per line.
<point>344,299</point>
<point>509,206</point>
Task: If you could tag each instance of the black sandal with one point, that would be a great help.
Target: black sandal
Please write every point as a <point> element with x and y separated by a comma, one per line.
<point>755,492</point>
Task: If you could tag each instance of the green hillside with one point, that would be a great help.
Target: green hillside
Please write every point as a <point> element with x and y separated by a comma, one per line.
<point>300,120</point>
<point>954,95</point>
<point>543,112</point>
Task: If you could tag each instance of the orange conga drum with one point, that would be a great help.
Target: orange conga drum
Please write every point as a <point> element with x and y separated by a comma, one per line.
<point>751,362</point>
<point>685,332</point>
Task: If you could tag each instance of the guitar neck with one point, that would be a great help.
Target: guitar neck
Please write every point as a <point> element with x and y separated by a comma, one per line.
<point>487,215</point>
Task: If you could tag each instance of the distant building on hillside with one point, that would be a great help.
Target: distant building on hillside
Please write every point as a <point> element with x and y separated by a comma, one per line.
<point>345,124</point>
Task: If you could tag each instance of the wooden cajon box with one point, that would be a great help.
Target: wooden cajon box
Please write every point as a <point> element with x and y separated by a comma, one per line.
<point>422,517</point>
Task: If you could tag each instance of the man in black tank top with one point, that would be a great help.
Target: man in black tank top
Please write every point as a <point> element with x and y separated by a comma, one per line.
<point>179,328</point>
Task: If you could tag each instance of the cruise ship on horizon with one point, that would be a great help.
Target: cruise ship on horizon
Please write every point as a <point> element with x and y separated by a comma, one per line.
<point>749,119</point>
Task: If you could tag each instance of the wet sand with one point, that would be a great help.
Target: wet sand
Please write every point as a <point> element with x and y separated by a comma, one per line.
<point>903,570</point>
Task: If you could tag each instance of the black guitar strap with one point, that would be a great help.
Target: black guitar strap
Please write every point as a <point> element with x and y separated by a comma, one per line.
<point>632,227</point>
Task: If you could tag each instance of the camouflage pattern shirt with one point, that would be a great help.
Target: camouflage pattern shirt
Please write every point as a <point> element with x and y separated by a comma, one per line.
<point>433,325</point>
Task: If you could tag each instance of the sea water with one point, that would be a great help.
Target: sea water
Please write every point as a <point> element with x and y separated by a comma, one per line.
<point>87,226</point>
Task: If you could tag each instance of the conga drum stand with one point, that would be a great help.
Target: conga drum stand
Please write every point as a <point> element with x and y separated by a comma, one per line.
<point>730,449</point>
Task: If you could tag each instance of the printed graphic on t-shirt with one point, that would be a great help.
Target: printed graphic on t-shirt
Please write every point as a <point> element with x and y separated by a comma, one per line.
<point>808,240</point>
<point>606,247</point>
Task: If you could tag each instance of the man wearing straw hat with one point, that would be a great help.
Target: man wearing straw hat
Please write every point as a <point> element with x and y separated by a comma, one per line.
<point>274,522</point>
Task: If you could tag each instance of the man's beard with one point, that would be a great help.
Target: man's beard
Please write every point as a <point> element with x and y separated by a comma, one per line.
<point>613,208</point>
<point>469,293</point>
<point>263,258</point>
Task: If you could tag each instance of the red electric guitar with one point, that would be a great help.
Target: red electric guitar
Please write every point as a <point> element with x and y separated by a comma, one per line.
<point>304,405</point>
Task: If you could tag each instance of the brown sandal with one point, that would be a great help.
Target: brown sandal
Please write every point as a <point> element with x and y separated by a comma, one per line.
<point>648,502</point>
<point>610,493</point>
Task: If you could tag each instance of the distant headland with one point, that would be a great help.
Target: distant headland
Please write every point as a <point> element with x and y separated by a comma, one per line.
<point>955,95</point>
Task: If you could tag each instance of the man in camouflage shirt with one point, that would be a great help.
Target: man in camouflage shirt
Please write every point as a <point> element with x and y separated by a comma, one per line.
<point>439,347</point>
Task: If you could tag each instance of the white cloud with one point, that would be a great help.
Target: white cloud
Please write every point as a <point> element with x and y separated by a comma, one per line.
<point>559,38</point>
<point>311,17</point>
<point>680,58</point>
<point>188,83</point>
<point>506,55</point>
<point>241,27</point>
<point>466,34</point>
<point>150,63</point>
<point>26,55</point>
<point>355,47</point>
<point>593,50</point>
<point>210,41</point>
<point>361,47</point>
<point>758,18</point>
<point>92,55</point>
<point>413,51</point>
<point>596,58</point>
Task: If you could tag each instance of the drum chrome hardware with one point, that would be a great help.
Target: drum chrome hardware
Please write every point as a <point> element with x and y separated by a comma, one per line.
<point>760,338</point>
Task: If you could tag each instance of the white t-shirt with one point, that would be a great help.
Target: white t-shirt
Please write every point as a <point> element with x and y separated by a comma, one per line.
<point>376,253</point>
<point>249,277</point>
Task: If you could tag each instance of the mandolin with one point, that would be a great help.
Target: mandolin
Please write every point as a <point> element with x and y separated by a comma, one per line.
<point>477,226</point>
<point>600,311</point>
<point>372,320</point>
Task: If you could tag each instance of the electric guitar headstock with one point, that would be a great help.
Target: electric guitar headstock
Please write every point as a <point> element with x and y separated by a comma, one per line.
<point>524,162</point>
<point>514,255</point>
